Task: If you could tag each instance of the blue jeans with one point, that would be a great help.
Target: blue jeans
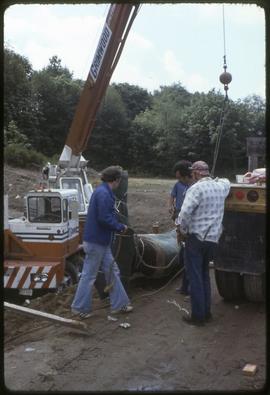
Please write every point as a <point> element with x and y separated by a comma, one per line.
<point>198,254</point>
<point>98,257</point>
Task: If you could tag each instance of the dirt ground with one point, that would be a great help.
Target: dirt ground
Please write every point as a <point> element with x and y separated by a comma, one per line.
<point>158,352</point>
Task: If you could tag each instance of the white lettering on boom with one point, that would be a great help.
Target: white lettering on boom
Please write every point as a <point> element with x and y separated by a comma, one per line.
<point>100,52</point>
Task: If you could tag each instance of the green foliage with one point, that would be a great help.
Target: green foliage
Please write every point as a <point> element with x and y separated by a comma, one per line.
<point>109,136</point>
<point>159,130</point>
<point>12,135</point>
<point>135,99</point>
<point>56,69</point>
<point>141,143</point>
<point>58,95</point>
<point>145,133</point>
<point>19,96</point>
<point>19,156</point>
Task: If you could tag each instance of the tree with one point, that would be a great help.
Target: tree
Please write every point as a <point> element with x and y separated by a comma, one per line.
<point>203,125</point>
<point>58,95</point>
<point>255,114</point>
<point>55,68</point>
<point>108,142</point>
<point>160,129</point>
<point>19,97</point>
<point>12,135</point>
<point>135,99</point>
<point>141,143</point>
<point>143,132</point>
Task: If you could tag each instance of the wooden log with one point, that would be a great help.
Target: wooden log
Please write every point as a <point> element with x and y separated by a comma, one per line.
<point>46,316</point>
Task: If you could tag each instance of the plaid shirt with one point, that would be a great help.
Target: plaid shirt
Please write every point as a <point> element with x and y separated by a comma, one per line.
<point>203,208</point>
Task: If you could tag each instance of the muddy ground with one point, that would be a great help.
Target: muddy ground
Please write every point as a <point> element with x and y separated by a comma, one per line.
<point>158,352</point>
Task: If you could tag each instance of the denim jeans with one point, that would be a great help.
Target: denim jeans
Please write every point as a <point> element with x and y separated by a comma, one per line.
<point>198,254</point>
<point>98,257</point>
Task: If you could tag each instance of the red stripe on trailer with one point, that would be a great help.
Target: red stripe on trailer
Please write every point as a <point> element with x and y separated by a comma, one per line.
<point>19,272</point>
<point>51,273</point>
<point>24,277</point>
<point>12,277</point>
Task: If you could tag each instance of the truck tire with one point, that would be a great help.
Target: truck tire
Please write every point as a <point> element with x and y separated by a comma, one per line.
<point>229,285</point>
<point>71,274</point>
<point>254,287</point>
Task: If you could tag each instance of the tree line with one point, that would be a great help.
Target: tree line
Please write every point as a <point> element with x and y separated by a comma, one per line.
<point>146,133</point>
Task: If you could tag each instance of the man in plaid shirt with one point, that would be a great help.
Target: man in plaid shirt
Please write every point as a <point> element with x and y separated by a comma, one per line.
<point>199,224</point>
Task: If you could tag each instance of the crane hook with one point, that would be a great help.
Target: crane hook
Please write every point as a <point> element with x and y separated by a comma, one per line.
<point>225,78</point>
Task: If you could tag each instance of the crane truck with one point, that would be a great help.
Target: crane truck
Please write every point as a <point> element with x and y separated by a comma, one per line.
<point>71,170</point>
<point>43,248</point>
<point>40,247</point>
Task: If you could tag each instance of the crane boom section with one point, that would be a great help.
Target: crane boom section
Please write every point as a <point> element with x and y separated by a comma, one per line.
<point>117,25</point>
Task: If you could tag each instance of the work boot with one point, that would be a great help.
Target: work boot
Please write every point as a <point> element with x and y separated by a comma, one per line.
<point>192,321</point>
<point>125,309</point>
<point>208,317</point>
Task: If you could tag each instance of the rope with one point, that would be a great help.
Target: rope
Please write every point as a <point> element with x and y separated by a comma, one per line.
<point>223,109</point>
<point>141,260</point>
<point>148,293</point>
<point>109,286</point>
<point>160,289</point>
<point>139,256</point>
<point>220,131</point>
<point>136,238</point>
<point>224,36</point>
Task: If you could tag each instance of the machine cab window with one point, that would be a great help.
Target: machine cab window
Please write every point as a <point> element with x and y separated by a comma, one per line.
<point>74,183</point>
<point>44,209</point>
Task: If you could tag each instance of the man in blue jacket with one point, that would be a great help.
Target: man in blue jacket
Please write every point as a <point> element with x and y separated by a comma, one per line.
<point>100,225</point>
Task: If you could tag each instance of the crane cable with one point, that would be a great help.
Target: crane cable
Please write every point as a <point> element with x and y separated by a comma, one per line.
<point>225,78</point>
<point>219,134</point>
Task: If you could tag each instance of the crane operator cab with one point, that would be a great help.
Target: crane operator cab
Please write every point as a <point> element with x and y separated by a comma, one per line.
<point>65,178</point>
<point>40,247</point>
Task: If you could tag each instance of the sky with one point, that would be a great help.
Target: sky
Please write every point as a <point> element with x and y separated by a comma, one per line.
<point>167,44</point>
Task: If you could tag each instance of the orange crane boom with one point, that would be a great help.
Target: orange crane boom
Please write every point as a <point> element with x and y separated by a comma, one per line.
<point>116,28</point>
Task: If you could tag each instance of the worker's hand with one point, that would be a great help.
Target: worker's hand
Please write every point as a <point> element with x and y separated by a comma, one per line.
<point>128,231</point>
<point>181,237</point>
<point>124,230</point>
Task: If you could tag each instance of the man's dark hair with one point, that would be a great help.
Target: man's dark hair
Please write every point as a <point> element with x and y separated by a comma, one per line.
<point>111,173</point>
<point>183,166</point>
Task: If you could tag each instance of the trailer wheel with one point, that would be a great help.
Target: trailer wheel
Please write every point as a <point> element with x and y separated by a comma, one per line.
<point>230,285</point>
<point>254,287</point>
<point>71,274</point>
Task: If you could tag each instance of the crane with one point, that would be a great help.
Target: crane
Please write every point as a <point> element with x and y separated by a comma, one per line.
<point>70,172</point>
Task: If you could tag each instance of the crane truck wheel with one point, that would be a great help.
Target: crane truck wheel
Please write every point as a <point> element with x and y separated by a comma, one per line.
<point>229,285</point>
<point>254,287</point>
<point>71,274</point>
